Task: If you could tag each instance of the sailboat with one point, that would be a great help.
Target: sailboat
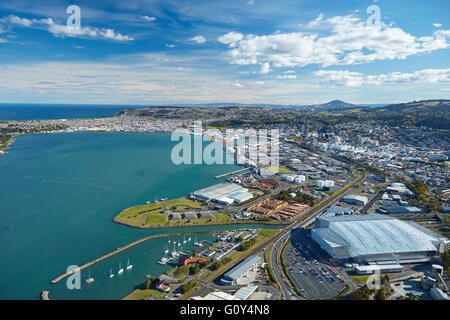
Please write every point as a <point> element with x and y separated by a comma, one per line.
<point>184,239</point>
<point>198,244</point>
<point>90,279</point>
<point>120,269</point>
<point>110,273</point>
<point>189,239</point>
<point>129,266</point>
<point>167,248</point>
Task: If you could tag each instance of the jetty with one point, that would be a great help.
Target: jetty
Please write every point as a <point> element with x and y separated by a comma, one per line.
<point>230,173</point>
<point>120,249</point>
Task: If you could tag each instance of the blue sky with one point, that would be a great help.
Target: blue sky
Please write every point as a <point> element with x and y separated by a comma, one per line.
<point>204,51</point>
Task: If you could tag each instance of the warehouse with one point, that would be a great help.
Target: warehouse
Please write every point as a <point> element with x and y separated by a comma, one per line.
<point>399,209</point>
<point>375,239</point>
<point>224,193</point>
<point>232,277</point>
<point>355,199</point>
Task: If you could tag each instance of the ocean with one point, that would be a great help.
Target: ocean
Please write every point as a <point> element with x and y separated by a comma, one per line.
<point>58,195</point>
<point>9,112</point>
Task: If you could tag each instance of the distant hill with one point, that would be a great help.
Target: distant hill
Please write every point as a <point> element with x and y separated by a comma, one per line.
<point>418,106</point>
<point>335,105</point>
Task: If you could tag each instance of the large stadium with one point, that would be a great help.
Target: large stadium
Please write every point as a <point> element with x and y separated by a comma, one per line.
<point>376,239</point>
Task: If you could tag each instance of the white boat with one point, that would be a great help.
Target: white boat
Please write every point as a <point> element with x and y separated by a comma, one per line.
<point>163,260</point>
<point>90,279</point>
<point>129,266</point>
<point>120,269</point>
<point>111,274</point>
<point>189,239</point>
<point>184,239</point>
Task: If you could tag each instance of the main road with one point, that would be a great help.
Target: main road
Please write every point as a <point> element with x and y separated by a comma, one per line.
<point>275,255</point>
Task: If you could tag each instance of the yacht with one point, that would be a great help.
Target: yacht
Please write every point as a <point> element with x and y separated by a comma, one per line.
<point>129,266</point>
<point>120,269</point>
<point>90,279</point>
<point>110,273</point>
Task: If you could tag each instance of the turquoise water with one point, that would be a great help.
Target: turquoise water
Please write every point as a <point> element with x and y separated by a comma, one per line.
<point>58,194</point>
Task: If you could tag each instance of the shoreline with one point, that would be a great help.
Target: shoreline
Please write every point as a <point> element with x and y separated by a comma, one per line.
<point>217,223</point>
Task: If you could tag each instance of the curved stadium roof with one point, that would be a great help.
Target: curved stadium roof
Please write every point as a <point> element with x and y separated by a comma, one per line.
<point>380,235</point>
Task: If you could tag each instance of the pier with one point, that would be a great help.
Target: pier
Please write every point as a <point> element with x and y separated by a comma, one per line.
<point>230,173</point>
<point>120,249</point>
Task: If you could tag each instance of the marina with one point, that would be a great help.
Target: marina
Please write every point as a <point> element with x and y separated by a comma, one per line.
<point>118,250</point>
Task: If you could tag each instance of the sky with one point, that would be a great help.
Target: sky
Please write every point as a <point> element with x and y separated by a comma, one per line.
<point>155,52</point>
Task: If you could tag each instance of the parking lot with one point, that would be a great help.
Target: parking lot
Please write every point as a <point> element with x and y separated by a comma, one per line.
<point>313,278</point>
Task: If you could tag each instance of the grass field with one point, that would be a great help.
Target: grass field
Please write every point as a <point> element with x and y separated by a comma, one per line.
<point>153,213</point>
<point>142,294</point>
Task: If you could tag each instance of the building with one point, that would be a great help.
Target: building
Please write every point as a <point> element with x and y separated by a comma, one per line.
<point>438,294</point>
<point>375,239</point>
<point>224,193</point>
<point>355,199</point>
<point>399,209</point>
<point>232,277</point>
<point>386,268</point>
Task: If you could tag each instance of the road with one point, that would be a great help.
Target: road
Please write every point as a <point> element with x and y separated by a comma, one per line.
<point>275,255</point>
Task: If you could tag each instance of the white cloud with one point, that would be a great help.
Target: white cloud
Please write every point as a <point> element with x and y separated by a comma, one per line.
<point>198,39</point>
<point>250,2</point>
<point>265,68</point>
<point>437,25</point>
<point>65,31</point>
<point>237,84</point>
<point>356,79</point>
<point>289,71</point>
<point>287,76</point>
<point>170,45</point>
<point>231,39</point>
<point>348,41</point>
<point>150,19</point>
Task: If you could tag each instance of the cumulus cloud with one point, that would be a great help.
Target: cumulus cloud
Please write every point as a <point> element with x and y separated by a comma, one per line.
<point>170,45</point>
<point>65,31</point>
<point>150,19</point>
<point>231,38</point>
<point>347,40</point>
<point>356,79</point>
<point>265,68</point>
<point>198,39</point>
<point>437,25</point>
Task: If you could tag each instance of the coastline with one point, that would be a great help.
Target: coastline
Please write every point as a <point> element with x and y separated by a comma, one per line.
<point>203,224</point>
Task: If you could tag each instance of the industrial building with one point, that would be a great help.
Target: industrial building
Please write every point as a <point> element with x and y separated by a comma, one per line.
<point>399,209</point>
<point>232,277</point>
<point>355,199</point>
<point>376,239</point>
<point>224,193</point>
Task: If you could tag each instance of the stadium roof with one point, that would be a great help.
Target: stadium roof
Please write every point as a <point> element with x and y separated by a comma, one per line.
<point>377,234</point>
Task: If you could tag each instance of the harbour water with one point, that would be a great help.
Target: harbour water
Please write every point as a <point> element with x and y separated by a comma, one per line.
<point>58,194</point>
